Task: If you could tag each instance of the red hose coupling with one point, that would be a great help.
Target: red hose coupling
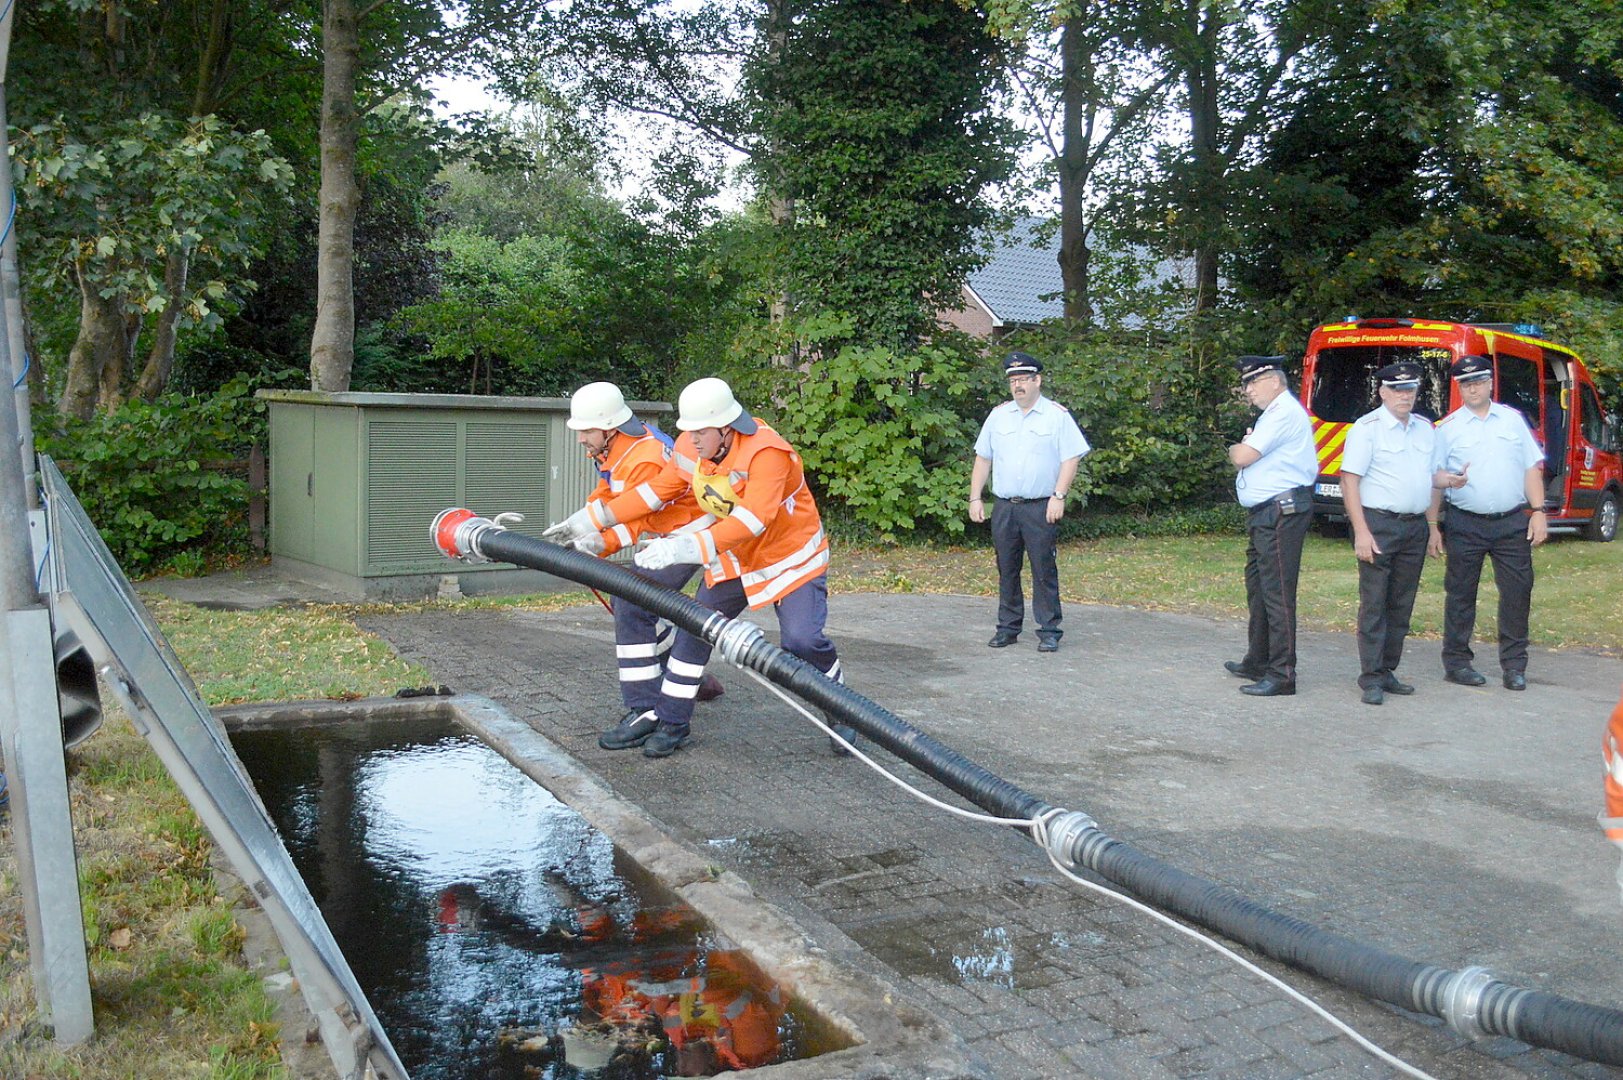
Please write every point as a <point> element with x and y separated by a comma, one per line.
<point>455,533</point>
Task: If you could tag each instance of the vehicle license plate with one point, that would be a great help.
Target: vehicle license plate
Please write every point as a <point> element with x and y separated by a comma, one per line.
<point>1332,490</point>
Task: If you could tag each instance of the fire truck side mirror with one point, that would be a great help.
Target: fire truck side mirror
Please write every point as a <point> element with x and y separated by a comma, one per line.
<point>76,691</point>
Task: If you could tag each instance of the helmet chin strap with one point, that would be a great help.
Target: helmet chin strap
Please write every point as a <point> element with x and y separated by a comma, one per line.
<point>724,446</point>
<point>599,455</point>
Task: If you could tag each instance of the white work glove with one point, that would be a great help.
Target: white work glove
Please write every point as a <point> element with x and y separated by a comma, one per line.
<point>591,544</point>
<point>576,526</point>
<point>669,550</point>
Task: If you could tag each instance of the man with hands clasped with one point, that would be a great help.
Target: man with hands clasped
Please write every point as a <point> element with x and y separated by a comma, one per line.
<point>1492,473</point>
<point>1386,478</point>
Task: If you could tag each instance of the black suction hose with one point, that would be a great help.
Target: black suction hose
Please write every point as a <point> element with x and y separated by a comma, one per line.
<point>1471,1000</point>
<point>789,671</point>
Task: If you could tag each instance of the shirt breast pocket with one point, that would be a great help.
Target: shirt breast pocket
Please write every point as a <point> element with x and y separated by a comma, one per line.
<point>1045,428</point>
<point>1391,440</point>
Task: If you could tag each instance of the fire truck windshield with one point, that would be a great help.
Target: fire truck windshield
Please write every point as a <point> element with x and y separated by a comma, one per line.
<point>1345,388</point>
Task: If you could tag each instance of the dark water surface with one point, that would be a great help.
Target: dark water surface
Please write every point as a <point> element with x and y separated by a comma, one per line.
<point>495,932</point>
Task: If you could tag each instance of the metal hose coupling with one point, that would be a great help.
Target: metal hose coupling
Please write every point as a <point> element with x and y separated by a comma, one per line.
<point>1460,1000</point>
<point>456,533</point>
<point>1065,835</point>
<point>737,639</point>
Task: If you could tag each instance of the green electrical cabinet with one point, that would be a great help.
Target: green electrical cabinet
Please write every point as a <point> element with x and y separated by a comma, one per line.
<point>357,479</point>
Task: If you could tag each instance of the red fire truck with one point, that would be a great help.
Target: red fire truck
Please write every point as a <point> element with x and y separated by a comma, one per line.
<point>1547,382</point>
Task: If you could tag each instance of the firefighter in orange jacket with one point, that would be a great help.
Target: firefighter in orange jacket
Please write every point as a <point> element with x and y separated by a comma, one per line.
<point>628,453</point>
<point>764,545</point>
<point>1612,757</point>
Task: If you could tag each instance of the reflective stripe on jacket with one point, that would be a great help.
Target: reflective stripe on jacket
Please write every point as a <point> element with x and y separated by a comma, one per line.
<point>771,539</point>
<point>634,460</point>
<point>1611,751</point>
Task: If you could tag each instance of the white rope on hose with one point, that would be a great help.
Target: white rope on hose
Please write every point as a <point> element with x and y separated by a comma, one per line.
<point>1039,832</point>
<point>1038,826</point>
<point>968,815</point>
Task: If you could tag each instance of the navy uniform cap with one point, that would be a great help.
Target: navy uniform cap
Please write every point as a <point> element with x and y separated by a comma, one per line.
<point>1467,368</point>
<point>1252,366</point>
<point>1403,375</point>
<point>1019,363</point>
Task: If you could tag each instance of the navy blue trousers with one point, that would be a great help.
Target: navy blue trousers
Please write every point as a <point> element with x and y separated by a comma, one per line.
<point>642,640</point>
<point>1021,530</point>
<point>801,617</point>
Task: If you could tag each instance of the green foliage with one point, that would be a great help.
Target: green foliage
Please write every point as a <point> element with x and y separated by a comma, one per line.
<point>108,201</point>
<point>885,435</point>
<point>1153,414</point>
<point>878,126</point>
<point>152,477</point>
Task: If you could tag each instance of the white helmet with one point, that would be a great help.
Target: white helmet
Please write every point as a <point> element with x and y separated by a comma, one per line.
<point>598,406</point>
<point>709,403</point>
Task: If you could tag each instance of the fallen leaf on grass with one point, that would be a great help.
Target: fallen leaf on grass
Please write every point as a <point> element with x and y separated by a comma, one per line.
<point>121,938</point>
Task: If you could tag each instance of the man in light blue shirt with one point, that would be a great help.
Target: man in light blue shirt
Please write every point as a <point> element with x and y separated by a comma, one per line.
<point>1030,447</point>
<point>1386,477</point>
<point>1275,464</point>
<point>1493,473</point>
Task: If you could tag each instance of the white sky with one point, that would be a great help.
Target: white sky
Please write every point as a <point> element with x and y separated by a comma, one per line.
<point>463,95</point>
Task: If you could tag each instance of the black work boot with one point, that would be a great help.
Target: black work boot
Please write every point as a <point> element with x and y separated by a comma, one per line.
<point>663,743</point>
<point>633,730</point>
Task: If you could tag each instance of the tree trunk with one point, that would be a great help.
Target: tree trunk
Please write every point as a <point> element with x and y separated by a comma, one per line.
<point>780,203</point>
<point>1074,165</point>
<point>1206,202</point>
<point>115,374</point>
<point>214,58</point>
<point>161,357</point>
<point>99,346</point>
<point>332,345</point>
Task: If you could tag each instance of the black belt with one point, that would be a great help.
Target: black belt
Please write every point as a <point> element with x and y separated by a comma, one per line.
<point>1017,499</point>
<point>1500,516</point>
<point>1305,489</point>
<point>1392,514</point>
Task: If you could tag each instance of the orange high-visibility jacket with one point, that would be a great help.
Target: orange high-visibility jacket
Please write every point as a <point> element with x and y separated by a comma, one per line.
<point>766,531</point>
<point>1612,756</point>
<point>712,999</point>
<point>634,460</point>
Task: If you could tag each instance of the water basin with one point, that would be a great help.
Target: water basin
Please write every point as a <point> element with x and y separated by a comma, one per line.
<point>495,932</point>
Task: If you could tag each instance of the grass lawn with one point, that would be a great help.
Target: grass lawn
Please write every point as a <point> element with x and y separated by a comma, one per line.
<point>1577,598</point>
<point>173,1000</point>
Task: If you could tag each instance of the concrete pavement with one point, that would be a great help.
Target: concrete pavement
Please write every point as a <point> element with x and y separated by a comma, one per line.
<point>1455,827</point>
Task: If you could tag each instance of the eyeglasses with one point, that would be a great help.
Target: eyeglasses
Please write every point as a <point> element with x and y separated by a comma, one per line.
<point>1016,380</point>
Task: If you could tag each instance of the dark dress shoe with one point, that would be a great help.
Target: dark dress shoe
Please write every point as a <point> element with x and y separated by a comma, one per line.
<point>1373,695</point>
<point>846,732</point>
<point>1048,644</point>
<point>1001,640</point>
<point>1237,667</point>
<point>663,743</point>
<point>1269,687</point>
<point>1515,680</point>
<point>1466,676</point>
<point>633,730</point>
<point>1392,686</point>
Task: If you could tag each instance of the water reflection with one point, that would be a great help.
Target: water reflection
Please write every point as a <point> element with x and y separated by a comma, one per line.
<point>494,931</point>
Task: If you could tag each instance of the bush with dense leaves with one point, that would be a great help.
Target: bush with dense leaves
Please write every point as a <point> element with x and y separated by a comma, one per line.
<point>158,480</point>
<point>885,436</point>
<point>1158,419</point>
